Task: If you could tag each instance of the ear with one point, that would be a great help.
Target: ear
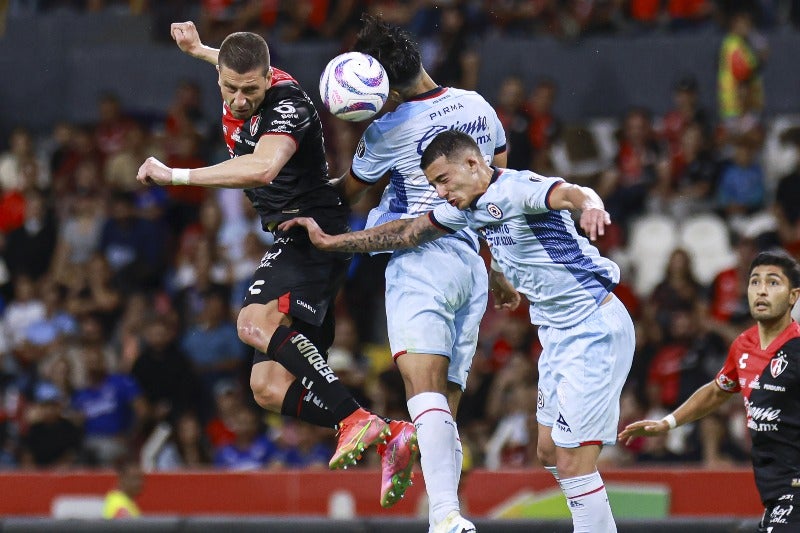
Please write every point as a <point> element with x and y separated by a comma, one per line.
<point>794,295</point>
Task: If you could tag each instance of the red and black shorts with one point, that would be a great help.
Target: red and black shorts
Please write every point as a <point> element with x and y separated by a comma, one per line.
<point>303,280</point>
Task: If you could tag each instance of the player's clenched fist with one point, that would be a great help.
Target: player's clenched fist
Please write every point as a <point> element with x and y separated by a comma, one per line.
<point>186,36</point>
<point>154,172</point>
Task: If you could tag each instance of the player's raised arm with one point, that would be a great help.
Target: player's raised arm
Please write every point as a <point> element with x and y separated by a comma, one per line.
<point>705,400</point>
<point>188,40</point>
<point>394,235</point>
<point>594,217</point>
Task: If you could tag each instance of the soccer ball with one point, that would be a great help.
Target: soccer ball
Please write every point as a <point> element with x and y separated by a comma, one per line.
<point>354,86</point>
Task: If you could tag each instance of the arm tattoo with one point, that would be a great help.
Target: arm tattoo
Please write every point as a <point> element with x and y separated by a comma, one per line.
<point>394,235</point>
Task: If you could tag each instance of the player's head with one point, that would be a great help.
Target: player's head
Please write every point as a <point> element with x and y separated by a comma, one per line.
<point>393,48</point>
<point>774,285</point>
<point>244,72</point>
<point>454,165</point>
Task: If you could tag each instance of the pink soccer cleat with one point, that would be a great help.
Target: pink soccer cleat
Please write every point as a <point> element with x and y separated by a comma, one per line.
<point>397,460</point>
<point>357,432</point>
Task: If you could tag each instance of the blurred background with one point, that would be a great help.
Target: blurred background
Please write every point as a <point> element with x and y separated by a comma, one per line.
<point>118,302</point>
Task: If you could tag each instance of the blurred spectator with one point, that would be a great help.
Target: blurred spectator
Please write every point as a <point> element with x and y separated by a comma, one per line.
<point>80,150</point>
<point>677,290</point>
<point>690,14</point>
<point>741,189</point>
<point>52,440</point>
<point>516,121</point>
<point>199,275</point>
<point>134,247</point>
<point>302,445</point>
<point>25,308</point>
<point>187,447</point>
<point>786,207</point>
<point>251,449</point>
<point>213,345</point>
<point>513,442</point>
<point>12,210</point>
<point>111,407</point>
<point>228,400</point>
<point>30,247</point>
<point>728,297</point>
<point>112,126</point>
<point>120,168</point>
<point>636,169</point>
<point>92,290</point>
<point>57,325</point>
<point>121,502</point>
<point>741,61</point>
<point>545,126</point>
<point>163,371</point>
<point>686,111</point>
<point>453,60</point>
<point>79,235</point>
<point>13,162</point>
<point>695,168</point>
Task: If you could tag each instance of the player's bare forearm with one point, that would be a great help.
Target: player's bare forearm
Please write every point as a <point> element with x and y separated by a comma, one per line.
<point>394,235</point>
<point>704,401</point>
<point>594,217</point>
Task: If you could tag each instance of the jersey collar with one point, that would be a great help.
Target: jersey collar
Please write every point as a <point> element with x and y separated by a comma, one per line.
<point>495,174</point>
<point>433,93</point>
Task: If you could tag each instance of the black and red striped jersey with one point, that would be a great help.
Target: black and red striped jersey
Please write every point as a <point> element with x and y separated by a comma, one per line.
<point>769,380</point>
<point>302,184</point>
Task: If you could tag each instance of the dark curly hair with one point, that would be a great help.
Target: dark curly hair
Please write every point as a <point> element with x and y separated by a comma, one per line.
<point>392,47</point>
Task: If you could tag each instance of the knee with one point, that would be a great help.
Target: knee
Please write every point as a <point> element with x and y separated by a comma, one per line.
<point>266,393</point>
<point>253,331</point>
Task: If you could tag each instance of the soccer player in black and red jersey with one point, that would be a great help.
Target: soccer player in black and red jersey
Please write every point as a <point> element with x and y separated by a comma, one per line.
<point>763,364</point>
<point>274,137</point>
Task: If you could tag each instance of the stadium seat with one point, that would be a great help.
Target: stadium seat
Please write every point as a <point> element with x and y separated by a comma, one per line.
<point>706,238</point>
<point>652,239</point>
<point>78,506</point>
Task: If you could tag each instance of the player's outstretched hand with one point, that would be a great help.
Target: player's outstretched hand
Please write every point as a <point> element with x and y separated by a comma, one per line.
<point>154,172</point>
<point>504,294</point>
<point>643,428</point>
<point>594,221</point>
<point>315,234</point>
<point>186,36</point>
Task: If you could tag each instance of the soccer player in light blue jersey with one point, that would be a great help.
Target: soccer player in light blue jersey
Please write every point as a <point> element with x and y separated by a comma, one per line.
<point>432,325</point>
<point>586,332</point>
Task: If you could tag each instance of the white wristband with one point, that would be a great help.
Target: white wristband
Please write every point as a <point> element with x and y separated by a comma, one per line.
<point>180,176</point>
<point>670,420</point>
<point>495,266</point>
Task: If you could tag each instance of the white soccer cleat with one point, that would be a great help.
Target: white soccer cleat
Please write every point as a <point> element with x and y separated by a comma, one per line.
<point>454,523</point>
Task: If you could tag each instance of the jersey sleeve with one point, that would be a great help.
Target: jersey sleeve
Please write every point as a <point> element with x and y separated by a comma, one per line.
<point>291,116</point>
<point>373,157</point>
<point>448,218</point>
<point>501,144</point>
<point>534,192</point>
<point>728,377</point>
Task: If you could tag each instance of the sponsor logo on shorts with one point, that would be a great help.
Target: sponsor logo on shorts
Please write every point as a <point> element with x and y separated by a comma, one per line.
<point>269,257</point>
<point>306,305</point>
<point>562,424</point>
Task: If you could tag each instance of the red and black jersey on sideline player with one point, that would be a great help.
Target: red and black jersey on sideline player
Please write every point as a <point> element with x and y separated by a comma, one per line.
<point>769,380</point>
<point>302,184</point>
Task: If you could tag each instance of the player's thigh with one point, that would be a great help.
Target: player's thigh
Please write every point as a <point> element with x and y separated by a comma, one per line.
<point>423,372</point>
<point>589,364</point>
<point>423,301</point>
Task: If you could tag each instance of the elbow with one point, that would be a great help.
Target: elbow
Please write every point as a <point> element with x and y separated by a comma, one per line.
<point>263,177</point>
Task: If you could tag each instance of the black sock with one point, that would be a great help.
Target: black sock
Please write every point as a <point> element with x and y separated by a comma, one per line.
<point>300,357</point>
<point>301,403</point>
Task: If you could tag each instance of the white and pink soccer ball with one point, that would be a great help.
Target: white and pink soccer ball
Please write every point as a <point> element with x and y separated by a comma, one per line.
<point>354,86</point>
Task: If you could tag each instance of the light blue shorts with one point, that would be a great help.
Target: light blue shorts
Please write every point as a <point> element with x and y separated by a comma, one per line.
<point>436,295</point>
<point>582,370</point>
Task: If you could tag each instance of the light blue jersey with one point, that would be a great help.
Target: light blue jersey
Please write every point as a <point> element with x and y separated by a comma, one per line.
<point>394,143</point>
<point>539,250</point>
<point>426,314</point>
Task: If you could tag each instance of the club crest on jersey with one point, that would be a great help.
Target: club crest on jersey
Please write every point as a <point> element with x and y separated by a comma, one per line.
<point>495,211</point>
<point>778,365</point>
<point>254,122</point>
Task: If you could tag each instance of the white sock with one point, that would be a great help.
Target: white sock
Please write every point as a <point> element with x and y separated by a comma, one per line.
<point>436,435</point>
<point>588,502</point>
<point>459,455</point>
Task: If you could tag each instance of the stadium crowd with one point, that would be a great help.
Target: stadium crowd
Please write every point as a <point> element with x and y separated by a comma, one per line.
<point>117,302</point>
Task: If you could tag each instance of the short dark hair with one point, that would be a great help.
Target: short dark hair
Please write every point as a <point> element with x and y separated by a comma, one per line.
<point>781,259</point>
<point>244,51</point>
<point>393,47</point>
<point>447,144</point>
